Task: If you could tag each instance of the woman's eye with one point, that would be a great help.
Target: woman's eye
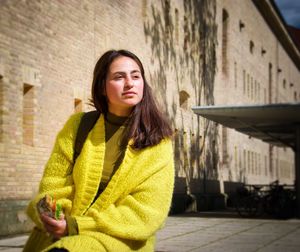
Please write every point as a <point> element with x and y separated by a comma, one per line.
<point>136,77</point>
<point>118,77</point>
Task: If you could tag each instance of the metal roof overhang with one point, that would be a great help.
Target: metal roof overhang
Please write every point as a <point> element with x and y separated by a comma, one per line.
<point>272,123</point>
<point>277,124</point>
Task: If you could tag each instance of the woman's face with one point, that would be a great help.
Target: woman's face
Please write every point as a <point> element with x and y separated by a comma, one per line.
<point>124,86</point>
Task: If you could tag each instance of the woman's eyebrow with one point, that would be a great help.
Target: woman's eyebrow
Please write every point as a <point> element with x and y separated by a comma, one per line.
<point>122,72</point>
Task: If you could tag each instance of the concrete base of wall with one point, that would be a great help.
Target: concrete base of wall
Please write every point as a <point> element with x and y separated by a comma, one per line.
<point>182,203</point>
<point>13,218</point>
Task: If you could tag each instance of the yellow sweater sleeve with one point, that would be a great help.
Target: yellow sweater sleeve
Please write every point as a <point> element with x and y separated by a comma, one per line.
<point>139,214</point>
<point>57,177</point>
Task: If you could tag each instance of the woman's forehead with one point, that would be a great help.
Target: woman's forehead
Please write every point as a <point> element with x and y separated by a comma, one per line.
<point>124,63</point>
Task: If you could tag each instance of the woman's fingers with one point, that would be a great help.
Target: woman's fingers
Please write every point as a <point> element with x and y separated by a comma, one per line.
<point>57,228</point>
<point>48,220</point>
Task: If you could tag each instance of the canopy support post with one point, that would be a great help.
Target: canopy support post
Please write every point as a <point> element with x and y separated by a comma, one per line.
<point>297,170</point>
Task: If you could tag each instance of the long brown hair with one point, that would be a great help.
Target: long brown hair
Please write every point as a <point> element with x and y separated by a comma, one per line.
<point>147,125</point>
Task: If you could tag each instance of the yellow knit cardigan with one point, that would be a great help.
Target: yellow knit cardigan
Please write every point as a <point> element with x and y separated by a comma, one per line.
<point>130,210</point>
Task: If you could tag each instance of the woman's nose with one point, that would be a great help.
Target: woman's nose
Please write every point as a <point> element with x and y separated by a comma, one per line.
<point>128,82</point>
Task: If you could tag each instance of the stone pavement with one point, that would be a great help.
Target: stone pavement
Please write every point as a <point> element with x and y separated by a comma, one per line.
<point>214,232</point>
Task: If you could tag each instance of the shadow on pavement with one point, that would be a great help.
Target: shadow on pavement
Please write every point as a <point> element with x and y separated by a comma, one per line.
<point>226,213</point>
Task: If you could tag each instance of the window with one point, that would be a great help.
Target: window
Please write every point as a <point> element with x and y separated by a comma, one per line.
<point>245,160</point>
<point>176,25</point>
<point>252,162</point>
<point>183,99</point>
<point>251,46</point>
<point>78,98</point>
<point>235,75</point>
<point>266,166</point>
<point>259,164</point>
<point>255,90</point>
<point>241,25</point>
<point>77,105</point>
<point>224,145</point>
<point>244,81</point>
<point>258,92</point>
<point>248,85</point>
<point>144,8</point>
<point>1,107</point>
<point>28,114</point>
<point>249,162</point>
<point>225,20</point>
<point>252,89</point>
<point>284,83</point>
<point>270,83</point>
<point>236,159</point>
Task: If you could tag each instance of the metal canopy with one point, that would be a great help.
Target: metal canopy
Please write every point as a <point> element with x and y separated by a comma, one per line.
<point>272,123</point>
<point>277,124</point>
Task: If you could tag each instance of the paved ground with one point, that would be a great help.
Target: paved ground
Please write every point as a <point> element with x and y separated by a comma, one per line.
<point>214,232</point>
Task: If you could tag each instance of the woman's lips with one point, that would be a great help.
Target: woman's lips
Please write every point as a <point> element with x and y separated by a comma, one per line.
<point>129,93</point>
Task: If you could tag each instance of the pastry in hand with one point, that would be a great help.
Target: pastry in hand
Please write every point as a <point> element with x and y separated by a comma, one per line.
<point>48,206</point>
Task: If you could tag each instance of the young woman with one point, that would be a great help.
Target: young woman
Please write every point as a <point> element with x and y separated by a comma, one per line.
<point>118,192</point>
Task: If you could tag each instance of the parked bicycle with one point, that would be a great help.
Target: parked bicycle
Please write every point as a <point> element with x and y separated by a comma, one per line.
<point>274,199</point>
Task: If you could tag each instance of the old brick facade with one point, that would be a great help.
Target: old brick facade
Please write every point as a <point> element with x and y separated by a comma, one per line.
<point>195,52</point>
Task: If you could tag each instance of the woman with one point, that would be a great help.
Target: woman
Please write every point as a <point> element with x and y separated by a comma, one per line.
<point>117,193</point>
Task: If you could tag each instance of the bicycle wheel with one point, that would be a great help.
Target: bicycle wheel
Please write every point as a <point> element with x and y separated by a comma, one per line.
<point>247,206</point>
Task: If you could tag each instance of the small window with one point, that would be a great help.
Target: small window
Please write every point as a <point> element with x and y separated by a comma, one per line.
<point>255,90</point>
<point>225,145</point>
<point>1,107</point>
<point>235,158</point>
<point>241,25</point>
<point>265,95</point>
<point>176,25</point>
<point>245,160</point>
<point>183,99</point>
<point>252,89</point>
<point>144,8</point>
<point>251,47</point>
<point>28,114</point>
<point>284,83</point>
<point>244,81</point>
<point>235,75</point>
<point>258,92</point>
<point>295,96</point>
<point>77,105</point>
<point>225,24</point>
<point>248,85</point>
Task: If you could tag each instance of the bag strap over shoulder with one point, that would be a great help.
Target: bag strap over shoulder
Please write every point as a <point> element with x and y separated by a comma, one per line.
<point>87,122</point>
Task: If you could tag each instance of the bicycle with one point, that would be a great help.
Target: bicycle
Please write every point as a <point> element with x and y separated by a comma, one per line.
<point>248,200</point>
<point>280,202</point>
<point>276,201</point>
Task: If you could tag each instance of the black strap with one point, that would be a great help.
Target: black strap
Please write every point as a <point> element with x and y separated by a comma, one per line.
<point>87,122</point>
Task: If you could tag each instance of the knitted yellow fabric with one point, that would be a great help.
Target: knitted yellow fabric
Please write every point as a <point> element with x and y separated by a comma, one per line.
<point>130,210</point>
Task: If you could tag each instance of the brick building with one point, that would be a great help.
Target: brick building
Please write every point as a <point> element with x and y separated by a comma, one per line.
<point>195,52</point>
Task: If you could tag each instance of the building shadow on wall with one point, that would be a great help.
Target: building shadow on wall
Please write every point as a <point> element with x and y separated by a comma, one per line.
<point>183,45</point>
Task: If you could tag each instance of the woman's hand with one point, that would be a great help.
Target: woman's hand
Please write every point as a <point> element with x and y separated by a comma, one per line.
<point>57,228</point>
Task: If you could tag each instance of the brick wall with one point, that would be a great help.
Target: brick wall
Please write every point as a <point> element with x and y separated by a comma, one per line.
<point>47,53</point>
